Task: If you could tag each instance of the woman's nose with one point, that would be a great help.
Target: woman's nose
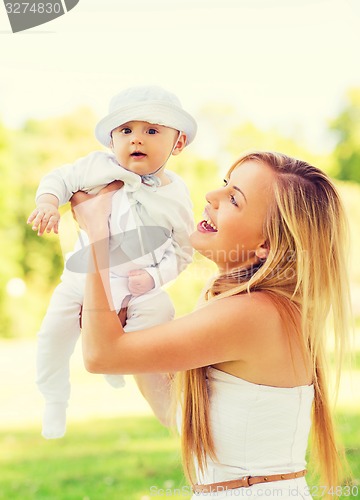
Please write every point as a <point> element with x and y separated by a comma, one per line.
<point>213,198</point>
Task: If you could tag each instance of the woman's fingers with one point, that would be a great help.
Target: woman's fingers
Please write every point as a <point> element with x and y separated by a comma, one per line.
<point>93,209</point>
<point>80,197</point>
<point>113,186</point>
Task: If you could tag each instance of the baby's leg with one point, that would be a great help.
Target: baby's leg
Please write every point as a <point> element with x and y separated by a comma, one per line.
<point>149,310</point>
<point>143,312</point>
<point>57,337</point>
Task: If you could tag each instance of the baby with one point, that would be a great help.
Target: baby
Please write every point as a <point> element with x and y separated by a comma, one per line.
<point>150,223</point>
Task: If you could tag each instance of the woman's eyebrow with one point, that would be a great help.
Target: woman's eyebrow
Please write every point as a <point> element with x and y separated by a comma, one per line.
<point>238,189</point>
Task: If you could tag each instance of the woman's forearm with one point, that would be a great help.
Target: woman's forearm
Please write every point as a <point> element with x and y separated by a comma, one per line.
<point>97,290</point>
<point>101,326</point>
<point>102,331</point>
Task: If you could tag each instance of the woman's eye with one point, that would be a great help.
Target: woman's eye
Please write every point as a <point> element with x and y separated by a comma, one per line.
<point>152,131</point>
<point>225,182</point>
<point>233,201</point>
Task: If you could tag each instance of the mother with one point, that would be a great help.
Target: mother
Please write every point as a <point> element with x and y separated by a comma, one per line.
<point>252,358</point>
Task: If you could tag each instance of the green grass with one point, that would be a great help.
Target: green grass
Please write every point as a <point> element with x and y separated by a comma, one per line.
<point>111,459</point>
<point>98,460</point>
<point>349,428</point>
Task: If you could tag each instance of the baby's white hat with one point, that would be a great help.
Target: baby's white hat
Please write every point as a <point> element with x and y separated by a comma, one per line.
<point>148,103</point>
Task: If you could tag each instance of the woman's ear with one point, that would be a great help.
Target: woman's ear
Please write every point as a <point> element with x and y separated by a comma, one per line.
<point>181,142</point>
<point>262,251</point>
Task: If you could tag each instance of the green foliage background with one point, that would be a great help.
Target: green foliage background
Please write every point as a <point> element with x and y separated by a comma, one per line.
<point>112,458</point>
<point>27,153</point>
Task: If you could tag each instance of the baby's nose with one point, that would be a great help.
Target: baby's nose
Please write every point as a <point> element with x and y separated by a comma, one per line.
<point>136,139</point>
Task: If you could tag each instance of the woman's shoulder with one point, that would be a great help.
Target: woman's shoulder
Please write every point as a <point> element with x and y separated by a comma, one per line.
<point>259,303</point>
<point>253,315</point>
<point>264,346</point>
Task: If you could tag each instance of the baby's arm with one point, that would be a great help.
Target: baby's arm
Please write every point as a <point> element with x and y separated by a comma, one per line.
<point>46,215</point>
<point>57,187</point>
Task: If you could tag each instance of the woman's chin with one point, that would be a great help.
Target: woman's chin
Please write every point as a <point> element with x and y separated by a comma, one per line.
<point>196,243</point>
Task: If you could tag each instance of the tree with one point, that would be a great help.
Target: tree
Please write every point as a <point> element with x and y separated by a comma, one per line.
<point>247,137</point>
<point>25,156</point>
<point>346,128</point>
<point>10,246</point>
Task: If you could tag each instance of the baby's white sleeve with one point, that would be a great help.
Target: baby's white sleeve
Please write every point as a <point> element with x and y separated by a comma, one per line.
<point>166,270</point>
<point>64,181</point>
<point>88,174</point>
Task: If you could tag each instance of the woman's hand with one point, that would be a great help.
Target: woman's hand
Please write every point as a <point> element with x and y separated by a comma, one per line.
<point>93,211</point>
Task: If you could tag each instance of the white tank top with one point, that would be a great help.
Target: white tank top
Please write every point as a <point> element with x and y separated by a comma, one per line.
<point>257,430</point>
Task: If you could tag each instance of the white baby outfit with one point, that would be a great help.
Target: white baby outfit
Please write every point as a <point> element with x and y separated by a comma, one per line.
<point>258,430</point>
<point>149,229</point>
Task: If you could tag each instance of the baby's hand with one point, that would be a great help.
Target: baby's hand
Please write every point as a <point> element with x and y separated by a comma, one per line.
<point>140,282</point>
<point>45,216</point>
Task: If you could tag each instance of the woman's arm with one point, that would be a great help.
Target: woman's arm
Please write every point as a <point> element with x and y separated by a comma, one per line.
<point>225,330</point>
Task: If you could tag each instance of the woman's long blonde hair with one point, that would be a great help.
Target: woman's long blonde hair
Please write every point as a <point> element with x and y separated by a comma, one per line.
<point>306,272</point>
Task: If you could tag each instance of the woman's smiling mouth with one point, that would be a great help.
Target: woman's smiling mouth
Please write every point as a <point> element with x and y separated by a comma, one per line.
<point>207,226</point>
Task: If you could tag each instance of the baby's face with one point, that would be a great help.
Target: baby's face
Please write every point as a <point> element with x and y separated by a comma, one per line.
<point>143,147</point>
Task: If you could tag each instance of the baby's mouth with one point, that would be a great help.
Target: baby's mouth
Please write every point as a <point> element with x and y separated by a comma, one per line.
<point>138,154</point>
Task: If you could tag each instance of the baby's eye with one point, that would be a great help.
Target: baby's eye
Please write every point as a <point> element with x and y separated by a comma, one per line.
<point>126,130</point>
<point>152,131</point>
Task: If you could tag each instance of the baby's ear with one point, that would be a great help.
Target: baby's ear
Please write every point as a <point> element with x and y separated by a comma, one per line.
<point>181,143</point>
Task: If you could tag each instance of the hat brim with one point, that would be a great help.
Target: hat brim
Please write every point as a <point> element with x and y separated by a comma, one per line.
<point>156,112</point>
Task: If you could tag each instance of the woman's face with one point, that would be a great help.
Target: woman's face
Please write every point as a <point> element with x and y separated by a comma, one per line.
<point>231,233</point>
